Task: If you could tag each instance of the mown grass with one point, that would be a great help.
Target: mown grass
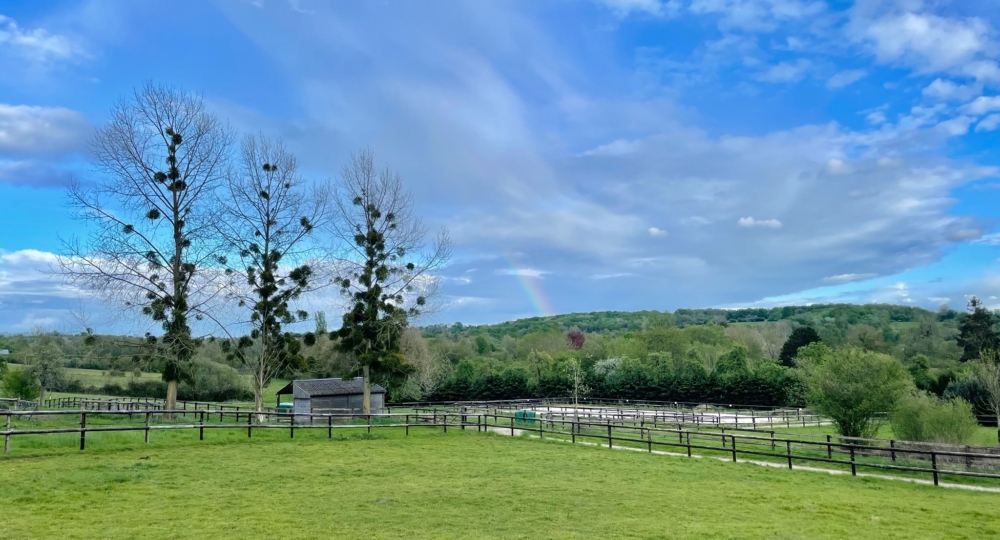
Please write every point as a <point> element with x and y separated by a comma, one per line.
<point>983,436</point>
<point>459,485</point>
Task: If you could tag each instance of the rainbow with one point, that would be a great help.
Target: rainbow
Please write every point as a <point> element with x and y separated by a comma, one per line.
<point>532,288</point>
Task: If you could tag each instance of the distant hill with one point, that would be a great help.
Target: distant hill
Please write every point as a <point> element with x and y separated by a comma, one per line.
<point>615,322</point>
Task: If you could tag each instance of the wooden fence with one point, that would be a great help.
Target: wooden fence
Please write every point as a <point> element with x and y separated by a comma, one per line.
<point>894,459</point>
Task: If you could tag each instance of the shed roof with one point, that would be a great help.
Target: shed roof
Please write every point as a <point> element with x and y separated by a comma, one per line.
<point>330,387</point>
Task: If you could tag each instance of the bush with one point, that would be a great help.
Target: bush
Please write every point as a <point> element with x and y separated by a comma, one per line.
<point>214,382</point>
<point>924,417</point>
<point>20,384</point>
<point>969,387</point>
<point>852,386</point>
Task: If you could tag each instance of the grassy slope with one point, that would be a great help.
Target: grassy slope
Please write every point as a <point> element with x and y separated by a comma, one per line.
<point>459,485</point>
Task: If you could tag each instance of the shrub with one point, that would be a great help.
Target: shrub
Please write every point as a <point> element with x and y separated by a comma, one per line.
<point>20,384</point>
<point>852,386</point>
<point>924,417</point>
<point>969,387</point>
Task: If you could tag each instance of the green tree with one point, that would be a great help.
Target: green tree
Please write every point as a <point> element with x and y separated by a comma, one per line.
<point>853,386</point>
<point>734,363</point>
<point>45,363</point>
<point>387,272</point>
<point>976,333</point>
<point>801,336</point>
<point>20,384</point>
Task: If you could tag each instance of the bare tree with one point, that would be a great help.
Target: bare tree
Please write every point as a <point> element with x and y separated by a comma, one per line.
<point>429,370</point>
<point>269,218</point>
<point>152,245</point>
<point>387,273</point>
<point>773,337</point>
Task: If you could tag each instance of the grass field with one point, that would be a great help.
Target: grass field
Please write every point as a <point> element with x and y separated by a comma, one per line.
<point>459,485</point>
<point>984,436</point>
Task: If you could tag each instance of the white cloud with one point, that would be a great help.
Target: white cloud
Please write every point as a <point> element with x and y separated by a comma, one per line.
<point>785,72</point>
<point>653,231</point>
<point>612,276</point>
<point>845,78</point>
<point>929,42</point>
<point>957,126</point>
<point>26,129</point>
<point>990,123</point>
<point>522,272</point>
<point>757,15</point>
<point>982,105</point>
<point>847,278</point>
<point>946,90</point>
<point>655,8</point>
<point>876,118</point>
<point>766,223</point>
<point>37,44</point>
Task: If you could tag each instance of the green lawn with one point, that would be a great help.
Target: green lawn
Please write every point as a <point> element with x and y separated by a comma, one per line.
<point>459,485</point>
<point>984,436</point>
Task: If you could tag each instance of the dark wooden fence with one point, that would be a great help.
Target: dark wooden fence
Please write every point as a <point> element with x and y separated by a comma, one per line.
<point>874,455</point>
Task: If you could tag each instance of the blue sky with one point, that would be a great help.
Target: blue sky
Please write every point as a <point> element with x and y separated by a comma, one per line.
<point>584,154</point>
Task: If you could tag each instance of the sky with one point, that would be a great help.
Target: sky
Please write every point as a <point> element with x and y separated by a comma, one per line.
<point>584,155</point>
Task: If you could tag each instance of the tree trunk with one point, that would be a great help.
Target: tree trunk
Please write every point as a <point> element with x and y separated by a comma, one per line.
<point>171,401</point>
<point>258,403</point>
<point>366,402</point>
<point>41,398</point>
<point>259,383</point>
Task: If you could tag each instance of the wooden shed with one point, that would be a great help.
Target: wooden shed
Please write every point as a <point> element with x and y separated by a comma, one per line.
<point>331,396</point>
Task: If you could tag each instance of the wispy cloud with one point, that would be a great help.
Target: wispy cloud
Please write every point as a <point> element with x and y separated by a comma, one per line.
<point>37,44</point>
<point>765,223</point>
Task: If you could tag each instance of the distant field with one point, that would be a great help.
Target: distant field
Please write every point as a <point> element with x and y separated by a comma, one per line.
<point>97,378</point>
<point>459,485</point>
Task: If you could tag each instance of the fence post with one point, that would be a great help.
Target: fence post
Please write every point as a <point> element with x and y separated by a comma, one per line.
<point>733,437</point>
<point>854,468</point>
<point>369,418</point>
<point>6,437</point>
<point>407,424</point>
<point>147,427</point>
<point>329,427</point>
<point>201,427</point>
<point>511,426</point>
<point>892,445</point>
<point>934,466</point>
<point>829,449</point>
<point>689,443</point>
<point>609,434</point>
<point>541,428</point>
<point>573,427</point>
<point>291,428</point>
<point>444,421</point>
<point>249,425</point>
<point>649,440</point>
<point>83,429</point>
<point>788,452</point>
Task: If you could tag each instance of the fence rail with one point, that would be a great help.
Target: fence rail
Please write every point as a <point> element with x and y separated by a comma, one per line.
<point>895,459</point>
